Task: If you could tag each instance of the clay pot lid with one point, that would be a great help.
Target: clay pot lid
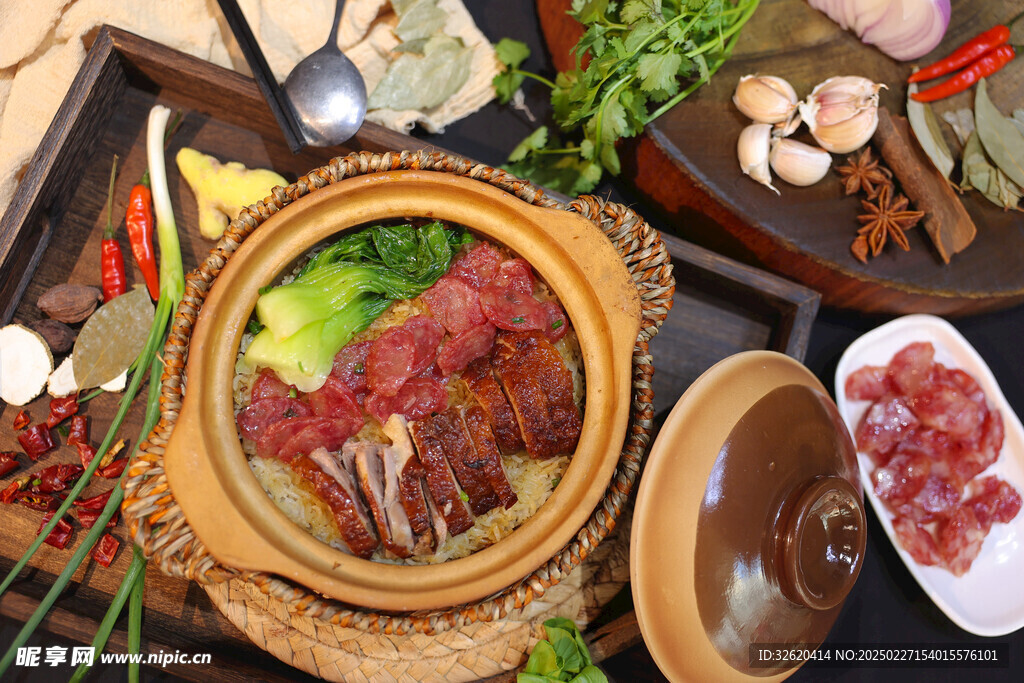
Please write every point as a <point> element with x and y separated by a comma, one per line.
<point>749,525</point>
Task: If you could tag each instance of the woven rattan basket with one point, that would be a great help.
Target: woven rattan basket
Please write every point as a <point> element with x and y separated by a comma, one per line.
<point>156,521</point>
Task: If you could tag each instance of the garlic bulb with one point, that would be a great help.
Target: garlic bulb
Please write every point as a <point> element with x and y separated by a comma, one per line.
<point>797,163</point>
<point>752,149</point>
<point>842,112</point>
<point>765,99</point>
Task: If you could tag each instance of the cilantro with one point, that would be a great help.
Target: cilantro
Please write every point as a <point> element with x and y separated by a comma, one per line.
<point>254,327</point>
<point>645,56</point>
<point>558,323</point>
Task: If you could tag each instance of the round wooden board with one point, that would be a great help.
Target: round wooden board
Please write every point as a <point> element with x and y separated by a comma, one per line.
<point>686,161</point>
<point>479,650</point>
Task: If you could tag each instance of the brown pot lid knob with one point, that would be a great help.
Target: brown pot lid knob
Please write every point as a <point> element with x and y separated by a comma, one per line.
<point>822,543</point>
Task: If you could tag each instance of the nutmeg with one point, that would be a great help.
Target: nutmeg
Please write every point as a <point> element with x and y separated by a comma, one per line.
<point>69,303</point>
<point>58,336</point>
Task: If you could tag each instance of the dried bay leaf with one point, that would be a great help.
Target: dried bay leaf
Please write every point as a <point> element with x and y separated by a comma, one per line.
<point>981,175</point>
<point>1018,119</point>
<point>112,338</point>
<point>928,133</point>
<point>1003,143</point>
<point>420,19</point>
<point>415,82</point>
<point>962,123</point>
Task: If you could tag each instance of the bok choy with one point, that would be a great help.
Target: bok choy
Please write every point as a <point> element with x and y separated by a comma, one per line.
<point>339,292</point>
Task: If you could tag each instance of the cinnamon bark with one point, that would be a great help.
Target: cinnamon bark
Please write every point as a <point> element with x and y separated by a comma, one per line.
<point>946,220</point>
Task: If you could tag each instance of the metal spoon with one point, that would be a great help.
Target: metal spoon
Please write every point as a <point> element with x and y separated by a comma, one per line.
<point>327,93</point>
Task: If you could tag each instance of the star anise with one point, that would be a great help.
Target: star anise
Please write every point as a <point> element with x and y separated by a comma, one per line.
<point>886,218</point>
<point>864,174</point>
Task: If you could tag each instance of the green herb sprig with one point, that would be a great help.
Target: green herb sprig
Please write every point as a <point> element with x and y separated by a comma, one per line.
<point>645,56</point>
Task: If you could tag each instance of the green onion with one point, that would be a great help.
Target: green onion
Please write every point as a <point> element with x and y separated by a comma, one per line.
<point>558,323</point>
<point>518,319</point>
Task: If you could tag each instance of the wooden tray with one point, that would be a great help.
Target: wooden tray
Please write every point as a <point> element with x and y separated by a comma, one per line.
<point>51,234</point>
<point>685,162</point>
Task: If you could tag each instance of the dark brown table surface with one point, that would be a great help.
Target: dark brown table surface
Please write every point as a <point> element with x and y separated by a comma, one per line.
<point>886,606</point>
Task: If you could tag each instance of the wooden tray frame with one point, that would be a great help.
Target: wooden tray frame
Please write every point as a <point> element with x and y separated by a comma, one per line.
<point>749,309</point>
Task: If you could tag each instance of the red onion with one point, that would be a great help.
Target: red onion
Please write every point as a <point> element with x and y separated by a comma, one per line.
<point>902,29</point>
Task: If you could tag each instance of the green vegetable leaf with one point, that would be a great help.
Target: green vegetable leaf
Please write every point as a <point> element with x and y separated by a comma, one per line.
<point>511,53</point>
<point>543,660</point>
<point>534,141</point>
<point>590,674</point>
<point>632,10</point>
<point>658,71</point>
<point>589,11</point>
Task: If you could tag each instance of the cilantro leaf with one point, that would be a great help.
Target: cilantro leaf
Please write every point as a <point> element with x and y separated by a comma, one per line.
<point>633,10</point>
<point>511,53</point>
<point>658,71</point>
<point>534,141</point>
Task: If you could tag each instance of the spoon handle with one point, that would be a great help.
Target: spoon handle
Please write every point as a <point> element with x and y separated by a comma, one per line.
<point>332,39</point>
<point>275,96</point>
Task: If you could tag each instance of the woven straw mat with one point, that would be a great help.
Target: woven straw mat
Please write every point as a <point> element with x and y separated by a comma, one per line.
<point>338,641</point>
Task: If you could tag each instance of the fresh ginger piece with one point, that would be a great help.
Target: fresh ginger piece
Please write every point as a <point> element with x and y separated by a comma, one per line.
<point>222,190</point>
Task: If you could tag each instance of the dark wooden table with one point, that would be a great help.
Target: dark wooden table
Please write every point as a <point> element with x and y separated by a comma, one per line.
<point>886,606</point>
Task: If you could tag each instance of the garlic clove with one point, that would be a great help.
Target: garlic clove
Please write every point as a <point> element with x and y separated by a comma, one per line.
<point>784,129</point>
<point>842,112</point>
<point>799,164</point>
<point>848,135</point>
<point>752,148</point>
<point>765,99</point>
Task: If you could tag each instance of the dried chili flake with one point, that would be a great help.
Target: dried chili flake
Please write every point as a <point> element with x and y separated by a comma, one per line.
<point>8,494</point>
<point>109,456</point>
<point>106,549</point>
<point>56,477</point>
<point>44,502</point>
<point>85,453</point>
<point>37,440</point>
<point>61,534</point>
<point>97,502</point>
<point>88,518</point>
<point>79,430</point>
<point>61,409</point>
<point>21,420</point>
<point>113,470</point>
<point>8,462</point>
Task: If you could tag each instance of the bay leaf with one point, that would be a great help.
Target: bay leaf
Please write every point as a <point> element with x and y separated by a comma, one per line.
<point>1017,118</point>
<point>1002,141</point>
<point>962,123</point>
<point>928,133</point>
<point>420,19</point>
<point>112,338</point>
<point>981,175</point>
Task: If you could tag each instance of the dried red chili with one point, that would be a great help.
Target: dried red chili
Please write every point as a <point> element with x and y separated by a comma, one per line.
<point>88,518</point>
<point>8,494</point>
<point>56,477</point>
<point>85,453</point>
<point>106,549</point>
<point>97,502</point>
<point>21,420</point>
<point>112,272</point>
<point>61,534</point>
<point>37,440</point>
<point>113,470</point>
<point>8,462</point>
<point>79,430</point>
<point>139,220</point>
<point>36,501</point>
<point>986,65</point>
<point>61,409</point>
<point>963,55</point>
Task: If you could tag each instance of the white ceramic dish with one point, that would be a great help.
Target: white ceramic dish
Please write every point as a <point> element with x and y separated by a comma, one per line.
<point>986,600</point>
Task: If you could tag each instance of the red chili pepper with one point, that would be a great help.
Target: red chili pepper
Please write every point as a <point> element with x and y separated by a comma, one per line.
<point>95,503</point>
<point>963,55</point>
<point>61,534</point>
<point>111,261</point>
<point>987,65</point>
<point>139,220</point>
<point>61,409</point>
<point>56,477</point>
<point>7,496</point>
<point>106,549</point>
<point>36,440</point>
<point>85,453</point>
<point>21,420</point>
<point>37,501</point>
<point>113,470</point>
<point>8,462</point>
<point>88,518</point>
<point>79,430</point>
